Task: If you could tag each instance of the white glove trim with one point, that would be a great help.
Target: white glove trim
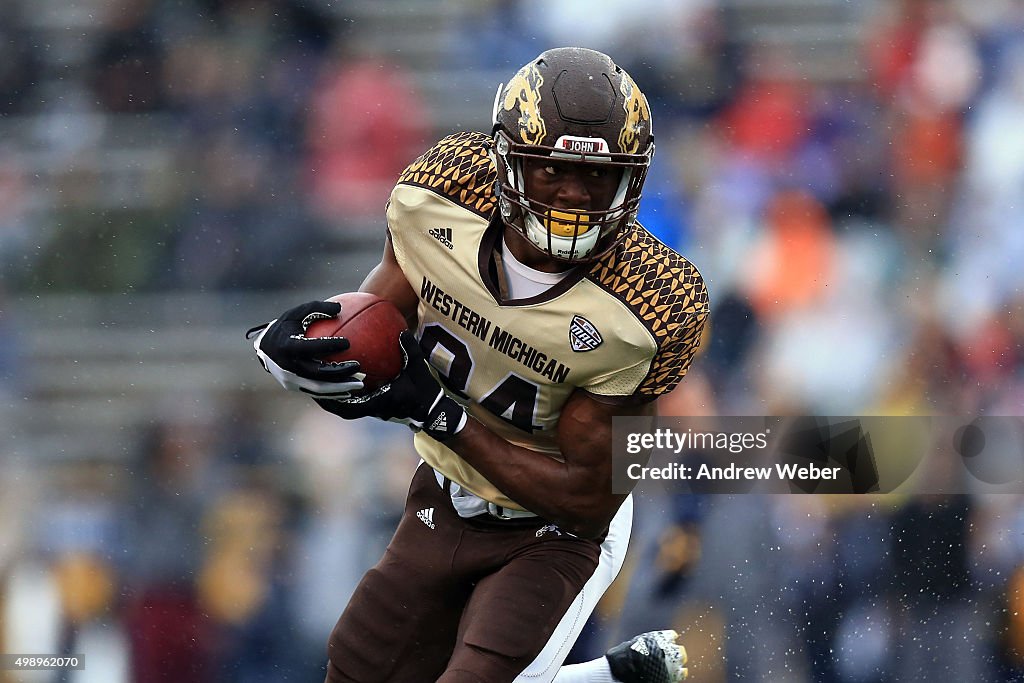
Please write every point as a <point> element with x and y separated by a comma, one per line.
<point>292,382</point>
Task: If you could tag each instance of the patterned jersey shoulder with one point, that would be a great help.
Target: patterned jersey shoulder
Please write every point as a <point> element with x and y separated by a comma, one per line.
<point>459,168</point>
<point>667,294</point>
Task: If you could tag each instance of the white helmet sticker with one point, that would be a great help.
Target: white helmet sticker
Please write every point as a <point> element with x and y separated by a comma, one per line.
<point>584,146</point>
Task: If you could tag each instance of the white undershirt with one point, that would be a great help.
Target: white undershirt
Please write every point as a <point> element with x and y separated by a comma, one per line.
<point>522,280</point>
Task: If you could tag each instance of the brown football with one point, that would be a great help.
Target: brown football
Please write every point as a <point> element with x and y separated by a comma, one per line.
<point>371,325</point>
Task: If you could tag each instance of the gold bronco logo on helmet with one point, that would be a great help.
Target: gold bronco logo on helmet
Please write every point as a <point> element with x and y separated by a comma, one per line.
<point>637,116</point>
<point>524,90</point>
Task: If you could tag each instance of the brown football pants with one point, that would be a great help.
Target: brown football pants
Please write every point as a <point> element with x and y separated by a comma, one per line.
<point>462,600</point>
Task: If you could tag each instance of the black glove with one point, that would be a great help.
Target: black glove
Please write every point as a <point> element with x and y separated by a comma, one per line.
<point>414,398</point>
<point>287,354</point>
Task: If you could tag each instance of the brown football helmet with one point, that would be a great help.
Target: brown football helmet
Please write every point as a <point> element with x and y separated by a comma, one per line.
<point>575,105</point>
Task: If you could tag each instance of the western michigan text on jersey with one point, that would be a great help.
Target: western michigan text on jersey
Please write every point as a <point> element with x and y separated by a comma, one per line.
<point>497,338</point>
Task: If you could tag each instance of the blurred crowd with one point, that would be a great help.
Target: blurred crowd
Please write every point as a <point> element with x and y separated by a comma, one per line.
<point>861,233</point>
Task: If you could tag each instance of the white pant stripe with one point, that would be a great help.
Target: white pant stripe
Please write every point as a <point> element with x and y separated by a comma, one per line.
<point>613,553</point>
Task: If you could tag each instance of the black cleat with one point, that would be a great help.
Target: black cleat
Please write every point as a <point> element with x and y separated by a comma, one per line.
<point>652,657</point>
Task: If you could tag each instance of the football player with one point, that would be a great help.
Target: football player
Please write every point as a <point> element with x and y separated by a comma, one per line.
<point>539,309</point>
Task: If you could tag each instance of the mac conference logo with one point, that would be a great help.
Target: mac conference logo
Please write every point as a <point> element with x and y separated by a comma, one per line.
<point>583,336</point>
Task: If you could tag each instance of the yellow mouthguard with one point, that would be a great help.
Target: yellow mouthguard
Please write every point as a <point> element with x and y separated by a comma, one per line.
<point>567,224</point>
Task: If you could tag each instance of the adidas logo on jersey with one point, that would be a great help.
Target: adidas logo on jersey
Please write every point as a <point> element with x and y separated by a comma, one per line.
<point>442,235</point>
<point>426,516</point>
<point>440,422</point>
<point>583,336</point>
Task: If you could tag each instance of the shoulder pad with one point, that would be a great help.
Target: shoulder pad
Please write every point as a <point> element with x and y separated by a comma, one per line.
<point>458,168</point>
<point>666,293</point>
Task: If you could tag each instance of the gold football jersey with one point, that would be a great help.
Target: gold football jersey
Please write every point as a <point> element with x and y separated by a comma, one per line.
<point>626,326</point>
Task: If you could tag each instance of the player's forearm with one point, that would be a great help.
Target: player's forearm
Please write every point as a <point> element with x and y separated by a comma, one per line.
<point>575,497</point>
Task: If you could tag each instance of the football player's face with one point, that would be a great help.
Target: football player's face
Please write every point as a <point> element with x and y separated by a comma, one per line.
<point>566,185</point>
